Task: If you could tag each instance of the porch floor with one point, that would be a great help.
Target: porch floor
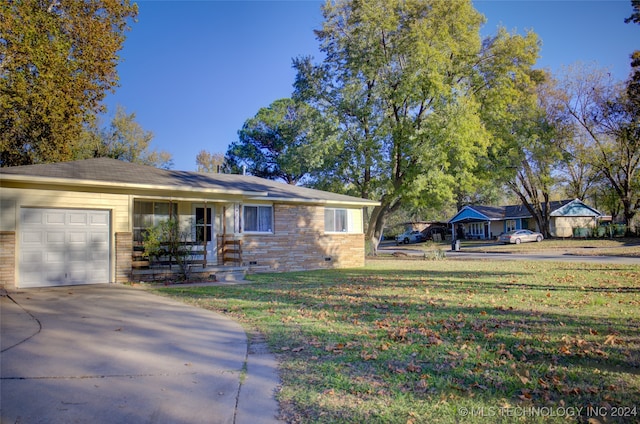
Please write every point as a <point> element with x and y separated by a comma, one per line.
<point>222,273</point>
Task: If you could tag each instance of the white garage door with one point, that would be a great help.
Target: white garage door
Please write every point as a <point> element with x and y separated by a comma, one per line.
<point>63,247</point>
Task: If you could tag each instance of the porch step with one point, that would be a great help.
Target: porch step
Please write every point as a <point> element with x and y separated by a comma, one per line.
<point>224,274</point>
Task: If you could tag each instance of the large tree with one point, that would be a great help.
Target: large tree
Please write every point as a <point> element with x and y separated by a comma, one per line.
<point>123,139</point>
<point>285,141</point>
<point>209,162</point>
<point>606,118</point>
<point>535,147</point>
<point>57,61</point>
<point>410,83</point>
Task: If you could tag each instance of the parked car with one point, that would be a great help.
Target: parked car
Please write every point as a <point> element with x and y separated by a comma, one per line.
<point>520,236</point>
<point>410,237</point>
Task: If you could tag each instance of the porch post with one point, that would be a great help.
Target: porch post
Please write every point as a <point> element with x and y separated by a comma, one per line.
<point>204,263</point>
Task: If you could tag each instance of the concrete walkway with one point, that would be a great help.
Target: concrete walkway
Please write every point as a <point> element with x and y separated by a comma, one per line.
<point>115,354</point>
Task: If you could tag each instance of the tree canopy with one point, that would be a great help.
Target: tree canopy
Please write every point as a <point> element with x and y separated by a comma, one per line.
<point>123,139</point>
<point>209,162</point>
<point>421,100</point>
<point>57,61</point>
<point>285,141</point>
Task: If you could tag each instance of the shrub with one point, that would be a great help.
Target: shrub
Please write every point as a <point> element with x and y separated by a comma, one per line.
<point>166,239</point>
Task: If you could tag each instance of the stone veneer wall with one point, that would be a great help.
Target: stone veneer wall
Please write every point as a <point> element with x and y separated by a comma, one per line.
<point>124,251</point>
<point>300,243</point>
<point>8,259</point>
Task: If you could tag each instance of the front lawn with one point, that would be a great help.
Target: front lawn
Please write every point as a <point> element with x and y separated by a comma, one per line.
<point>573,246</point>
<point>447,341</point>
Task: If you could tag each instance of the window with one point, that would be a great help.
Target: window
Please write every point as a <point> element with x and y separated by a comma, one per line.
<point>258,219</point>
<point>510,225</point>
<point>203,230</point>
<point>148,213</point>
<point>335,220</point>
<point>476,229</point>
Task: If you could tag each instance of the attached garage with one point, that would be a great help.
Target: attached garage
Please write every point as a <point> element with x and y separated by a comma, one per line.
<point>59,247</point>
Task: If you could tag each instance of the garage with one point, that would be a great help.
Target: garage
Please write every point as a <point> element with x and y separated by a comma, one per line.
<point>59,247</point>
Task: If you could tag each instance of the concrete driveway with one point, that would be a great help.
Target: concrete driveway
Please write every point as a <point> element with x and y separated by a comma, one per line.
<point>114,354</point>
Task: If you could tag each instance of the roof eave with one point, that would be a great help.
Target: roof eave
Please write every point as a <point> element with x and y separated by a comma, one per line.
<point>127,186</point>
<point>363,202</point>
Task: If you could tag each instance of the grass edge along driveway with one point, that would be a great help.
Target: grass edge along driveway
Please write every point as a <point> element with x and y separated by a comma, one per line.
<point>447,341</point>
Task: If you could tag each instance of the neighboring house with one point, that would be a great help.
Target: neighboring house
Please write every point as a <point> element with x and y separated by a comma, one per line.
<point>427,228</point>
<point>82,222</point>
<point>488,222</point>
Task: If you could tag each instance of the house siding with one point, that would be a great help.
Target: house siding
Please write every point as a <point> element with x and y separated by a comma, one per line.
<point>563,226</point>
<point>117,203</point>
<point>15,198</point>
<point>299,243</point>
<point>7,258</point>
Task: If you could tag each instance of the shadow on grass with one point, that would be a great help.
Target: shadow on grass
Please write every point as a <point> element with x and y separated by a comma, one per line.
<point>358,344</point>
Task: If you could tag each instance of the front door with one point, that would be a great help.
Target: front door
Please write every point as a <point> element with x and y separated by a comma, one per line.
<point>204,230</point>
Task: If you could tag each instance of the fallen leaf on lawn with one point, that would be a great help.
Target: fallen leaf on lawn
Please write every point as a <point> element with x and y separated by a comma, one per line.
<point>368,356</point>
<point>525,395</point>
<point>297,349</point>
<point>479,386</point>
<point>611,339</point>
<point>414,368</point>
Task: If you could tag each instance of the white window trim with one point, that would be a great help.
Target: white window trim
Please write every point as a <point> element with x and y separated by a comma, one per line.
<point>348,219</point>
<point>244,230</point>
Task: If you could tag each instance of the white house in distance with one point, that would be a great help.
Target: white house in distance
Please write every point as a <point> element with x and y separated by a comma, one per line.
<point>488,222</point>
<point>83,222</point>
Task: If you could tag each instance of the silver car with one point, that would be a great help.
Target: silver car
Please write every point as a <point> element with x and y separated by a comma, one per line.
<point>520,236</point>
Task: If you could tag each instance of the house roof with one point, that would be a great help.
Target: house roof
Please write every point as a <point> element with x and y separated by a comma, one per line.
<point>129,177</point>
<point>475,213</point>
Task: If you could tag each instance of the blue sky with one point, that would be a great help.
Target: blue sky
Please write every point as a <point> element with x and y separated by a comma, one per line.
<point>194,71</point>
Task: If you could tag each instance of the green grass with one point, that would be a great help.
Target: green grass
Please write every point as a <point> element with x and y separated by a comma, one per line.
<point>588,247</point>
<point>419,341</point>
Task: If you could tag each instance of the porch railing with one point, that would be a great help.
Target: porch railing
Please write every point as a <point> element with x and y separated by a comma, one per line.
<point>229,250</point>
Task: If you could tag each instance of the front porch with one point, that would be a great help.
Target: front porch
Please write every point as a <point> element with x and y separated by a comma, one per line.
<point>204,243</point>
<point>198,273</point>
<point>225,266</point>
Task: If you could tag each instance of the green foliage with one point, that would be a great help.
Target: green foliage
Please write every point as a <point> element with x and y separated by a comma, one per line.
<point>124,139</point>
<point>417,95</point>
<point>605,123</point>
<point>57,61</point>
<point>285,141</point>
<point>168,239</point>
<point>435,255</point>
<point>209,162</point>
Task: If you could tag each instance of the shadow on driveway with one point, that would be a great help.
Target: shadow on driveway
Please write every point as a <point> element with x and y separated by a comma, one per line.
<point>108,353</point>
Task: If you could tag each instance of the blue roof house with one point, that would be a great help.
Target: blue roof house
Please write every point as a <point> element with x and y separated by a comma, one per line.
<point>488,222</point>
